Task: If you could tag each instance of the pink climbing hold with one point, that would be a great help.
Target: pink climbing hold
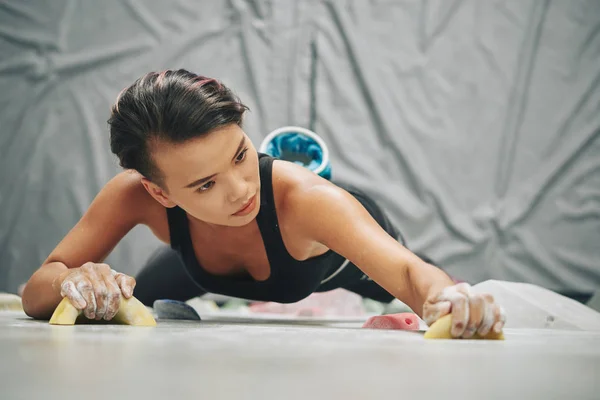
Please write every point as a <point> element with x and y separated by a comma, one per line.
<point>404,321</point>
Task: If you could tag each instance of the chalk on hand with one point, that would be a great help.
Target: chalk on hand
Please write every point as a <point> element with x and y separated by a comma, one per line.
<point>403,321</point>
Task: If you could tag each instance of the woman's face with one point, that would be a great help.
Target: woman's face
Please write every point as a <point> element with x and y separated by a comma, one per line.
<point>214,178</point>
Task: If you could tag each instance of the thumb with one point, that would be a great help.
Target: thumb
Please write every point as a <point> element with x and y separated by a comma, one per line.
<point>125,282</point>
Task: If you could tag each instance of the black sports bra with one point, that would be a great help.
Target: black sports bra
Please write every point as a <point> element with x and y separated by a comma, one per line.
<point>290,280</point>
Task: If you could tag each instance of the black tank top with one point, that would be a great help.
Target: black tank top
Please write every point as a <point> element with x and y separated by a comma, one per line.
<point>290,280</point>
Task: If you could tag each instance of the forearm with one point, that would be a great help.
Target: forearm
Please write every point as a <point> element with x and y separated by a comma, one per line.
<point>424,280</point>
<point>42,293</point>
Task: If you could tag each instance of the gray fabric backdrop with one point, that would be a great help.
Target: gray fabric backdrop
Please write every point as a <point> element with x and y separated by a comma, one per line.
<point>475,123</point>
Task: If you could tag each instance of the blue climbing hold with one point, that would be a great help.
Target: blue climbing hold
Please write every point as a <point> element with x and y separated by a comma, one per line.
<point>300,146</point>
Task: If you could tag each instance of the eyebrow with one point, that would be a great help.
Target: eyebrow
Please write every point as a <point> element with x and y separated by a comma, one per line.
<point>202,180</point>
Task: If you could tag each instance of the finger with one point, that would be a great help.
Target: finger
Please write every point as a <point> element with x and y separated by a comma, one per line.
<point>457,295</point>
<point>476,312</point>
<point>126,283</point>
<point>501,319</point>
<point>433,312</point>
<point>460,315</point>
<point>114,297</point>
<point>101,290</point>
<point>488,297</point>
<point>68,289</point>
<point>449,292</point>
<point>463,288</point>
<point>488,320</point>
<point>84,286</point>
<point>101,294</point>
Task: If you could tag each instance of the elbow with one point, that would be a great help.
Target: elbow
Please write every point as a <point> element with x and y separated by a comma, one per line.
<point>34,311</point>
<point>28,303</point>
<point>40,298</point>
<point>32,306</point>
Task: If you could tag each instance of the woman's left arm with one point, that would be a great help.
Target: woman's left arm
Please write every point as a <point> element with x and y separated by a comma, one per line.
<point>331,216</point>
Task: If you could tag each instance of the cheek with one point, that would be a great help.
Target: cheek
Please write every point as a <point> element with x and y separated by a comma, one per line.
<point>211,205</point>
<point>251,171</point>
<point>204,206</point>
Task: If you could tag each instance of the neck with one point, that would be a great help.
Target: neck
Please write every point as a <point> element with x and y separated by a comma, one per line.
<point>222,230</point>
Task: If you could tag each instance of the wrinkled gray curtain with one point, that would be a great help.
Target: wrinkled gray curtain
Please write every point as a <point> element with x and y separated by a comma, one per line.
<point>474,123</point>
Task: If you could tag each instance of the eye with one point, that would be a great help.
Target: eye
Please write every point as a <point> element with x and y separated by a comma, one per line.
<point>242,156</point>
<point>205,187</point>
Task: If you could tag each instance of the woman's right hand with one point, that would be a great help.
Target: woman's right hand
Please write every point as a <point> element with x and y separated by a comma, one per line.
<point>96,289</point>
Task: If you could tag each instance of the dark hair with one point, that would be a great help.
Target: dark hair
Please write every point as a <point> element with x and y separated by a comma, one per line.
<point>170,106</point>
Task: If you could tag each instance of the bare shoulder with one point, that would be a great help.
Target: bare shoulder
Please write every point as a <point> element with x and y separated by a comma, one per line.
<point>314,208</point>
<point>291,181</point>
<point>295,183</point>
<point>126,187</point>
<point>300,194</point>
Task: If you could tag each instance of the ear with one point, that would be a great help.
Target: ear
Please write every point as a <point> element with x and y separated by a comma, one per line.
<point>158,193</point>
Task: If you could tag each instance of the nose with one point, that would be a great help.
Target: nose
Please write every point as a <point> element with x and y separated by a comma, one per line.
<point>238,189</point>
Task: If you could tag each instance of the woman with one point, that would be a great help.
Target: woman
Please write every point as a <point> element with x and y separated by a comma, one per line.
<point>242,223</point>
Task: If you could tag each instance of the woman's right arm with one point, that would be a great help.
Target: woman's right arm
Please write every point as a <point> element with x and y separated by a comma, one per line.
<point>74,268</point>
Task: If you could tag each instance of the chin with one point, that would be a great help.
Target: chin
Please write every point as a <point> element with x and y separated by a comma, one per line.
<point>243,221</point>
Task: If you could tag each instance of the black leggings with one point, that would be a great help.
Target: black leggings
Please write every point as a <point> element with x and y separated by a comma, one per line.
<point>164,276</point>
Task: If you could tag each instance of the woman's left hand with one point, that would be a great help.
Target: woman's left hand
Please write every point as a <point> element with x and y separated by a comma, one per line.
<point>471,312</point>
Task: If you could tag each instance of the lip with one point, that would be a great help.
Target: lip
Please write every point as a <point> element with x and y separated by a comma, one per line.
<point>247,208</point>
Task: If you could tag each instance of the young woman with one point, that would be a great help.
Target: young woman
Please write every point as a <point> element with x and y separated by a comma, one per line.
<point>239,223</point>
